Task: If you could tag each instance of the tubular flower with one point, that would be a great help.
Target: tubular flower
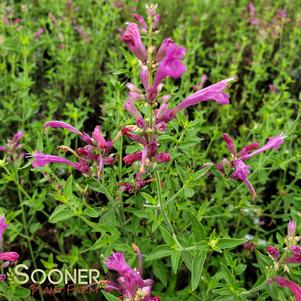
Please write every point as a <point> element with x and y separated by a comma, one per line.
<point>214,92</point>
<point>170,66</point>
<point>237,162</point>
<point>130,284</point>
<point>96,152</point>
<point>132,38</point>
<point>273,251</point>
<point>291,285</point>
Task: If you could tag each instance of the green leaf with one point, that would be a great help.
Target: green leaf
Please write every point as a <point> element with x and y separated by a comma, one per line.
<point>60,213</point>
<point>198,230</point>
<point>91,212</point>
<point>226,243</point>
<point>197,268</point>
<point>159,252</point>
<point>68,189</point>
<point>22,292</point>
<point>175,260</point>
<point>110,297</point>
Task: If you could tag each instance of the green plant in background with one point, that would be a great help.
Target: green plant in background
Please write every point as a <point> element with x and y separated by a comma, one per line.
<point>190,251</point>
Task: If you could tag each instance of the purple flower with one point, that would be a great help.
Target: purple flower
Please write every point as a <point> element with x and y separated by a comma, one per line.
<point>130,283</point>
<point>291,229</point>
<point>13,146</point>
<point>252,13</point>
<point>214,92</point>
<point>9,256</point>
<point>44,159</point>
<point>131,108</point>
<point>117,263</point>
<point>170,66</point>
<point>237,162</point>
<point>166,44</point>
<point>2,277</point>
<point>141,21</point>
<point>61,124</point>
<point>132,38</point>
<point>39,32</point>
<point>273,251</point>
<point>296,256</point>
<point>291,285</point>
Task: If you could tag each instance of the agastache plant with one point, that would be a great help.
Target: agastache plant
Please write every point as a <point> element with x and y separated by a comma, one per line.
<point>130,284</point>
<point>290,254</point>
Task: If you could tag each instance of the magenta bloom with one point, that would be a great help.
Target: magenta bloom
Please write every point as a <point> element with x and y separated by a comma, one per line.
<point>39,32</point>
<point>141,21</point>
<point>296,255</point>
<point>132,38</point>
<point>130,283</point>
<point>170,66</point>
<point>214,92</point>
<point>237,162</point>
<point>3,227</point>
<point>291,229</point>
<point>291,285</point>
<point>13,146</point>
<point>273,251</point>
<point>61,124</point>
<point>9,256</point>
<point>94,153</point>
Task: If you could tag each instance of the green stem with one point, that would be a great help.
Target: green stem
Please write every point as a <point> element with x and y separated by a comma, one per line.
<point>162,208</point>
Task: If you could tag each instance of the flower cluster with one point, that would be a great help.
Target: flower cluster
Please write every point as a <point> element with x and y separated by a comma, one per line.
<point>157,64</point>
<point>291,254</point>
<point>130,284</point>
<point>90,158</point>
<point>237,159</point>
<point>13,147</point>
<point>7,257</point>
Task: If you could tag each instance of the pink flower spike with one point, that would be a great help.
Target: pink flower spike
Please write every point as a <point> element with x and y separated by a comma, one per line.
<point>98,137</point>
<point>273,251</point>
<point>248,148</point>
<point>132,38</point>
<point>141,21</point>
<point>214,92</point>
<point>131,108</point>
<point>291,229</point>
<point>9,256</point>
<point>127,132</point>
<point>291,285</point>
<point>230,143</point>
